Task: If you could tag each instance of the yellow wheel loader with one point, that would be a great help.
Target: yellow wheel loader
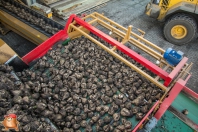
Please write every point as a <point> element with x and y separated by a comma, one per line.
<point>180,17</point>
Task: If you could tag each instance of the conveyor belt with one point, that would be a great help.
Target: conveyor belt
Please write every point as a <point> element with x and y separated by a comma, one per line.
<point>51,22</point>
<point>22,46</point>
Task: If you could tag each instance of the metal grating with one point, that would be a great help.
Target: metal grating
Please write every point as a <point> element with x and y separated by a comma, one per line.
<point>165,4</point>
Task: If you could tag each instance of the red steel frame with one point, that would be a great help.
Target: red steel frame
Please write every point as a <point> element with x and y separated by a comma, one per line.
<point>154,68</point>
<point>179,85</point>
<point>175,71</point>
<point>149,65</point>
<point>44,47</point>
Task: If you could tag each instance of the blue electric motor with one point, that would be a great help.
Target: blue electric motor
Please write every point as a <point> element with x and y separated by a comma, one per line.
<point>173,57</point>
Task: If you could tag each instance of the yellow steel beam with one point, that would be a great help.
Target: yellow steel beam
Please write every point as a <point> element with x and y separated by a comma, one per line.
<point>120,58</point>
<point>19,1</point>
<point>110,25</point>
<point>127,36</point>
<point>3,29</point>
<point>186,71</point>
<point>132,33</point>
<point>21,28</point>
<point>134,41</point>
<point>5,52</point>
<point>75,34</point>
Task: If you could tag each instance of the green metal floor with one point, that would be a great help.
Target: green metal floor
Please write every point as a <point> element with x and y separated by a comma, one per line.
<point>171,123</point>
<point>183,102</point>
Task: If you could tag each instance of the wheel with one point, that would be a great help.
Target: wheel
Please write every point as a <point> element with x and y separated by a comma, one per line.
<point>180,29</point>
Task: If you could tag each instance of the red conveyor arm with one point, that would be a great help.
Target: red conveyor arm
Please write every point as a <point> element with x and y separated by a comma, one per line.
<point>62,34</point>
<point>179,85</point>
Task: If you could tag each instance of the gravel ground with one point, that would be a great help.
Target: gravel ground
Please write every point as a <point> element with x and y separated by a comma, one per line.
<point>131,12</point>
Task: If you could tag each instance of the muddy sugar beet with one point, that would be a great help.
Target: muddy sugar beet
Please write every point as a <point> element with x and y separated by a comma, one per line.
<point>76,87</point>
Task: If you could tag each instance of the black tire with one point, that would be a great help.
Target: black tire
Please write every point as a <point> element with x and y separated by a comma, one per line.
<point>180,19</point>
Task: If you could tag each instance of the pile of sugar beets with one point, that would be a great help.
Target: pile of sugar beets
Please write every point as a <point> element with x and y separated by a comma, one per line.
<point>77,87</point>
<point>29,17</point>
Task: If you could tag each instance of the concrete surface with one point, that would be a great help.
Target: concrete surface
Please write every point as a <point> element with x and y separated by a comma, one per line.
<point>131,12</point>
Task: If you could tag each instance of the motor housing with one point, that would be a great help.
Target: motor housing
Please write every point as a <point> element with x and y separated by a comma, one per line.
<point>172,56</point>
